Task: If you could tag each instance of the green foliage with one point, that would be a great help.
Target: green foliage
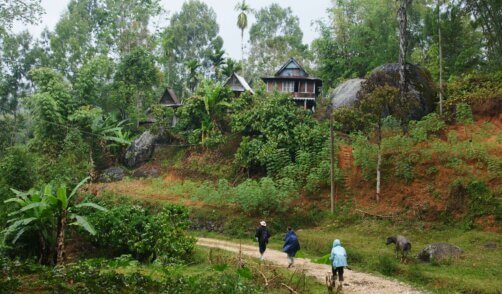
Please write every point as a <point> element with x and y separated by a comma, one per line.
<point>349,120</point>
<point>17,169</point>
<point>274,129</point>
<point>429,124</point>
<point>275,36</point>
<point>464,114</point>
<point>42,215</point>
<point>480,90</point>
<point>387,265</point>
<point>351,45</point>
<point>365,155</point>
<point>461,40</point>
<point>202,118</point>
<point>148,236</point>
<point>265,196</point>
<point>188,39</point>
<point>135,84</point>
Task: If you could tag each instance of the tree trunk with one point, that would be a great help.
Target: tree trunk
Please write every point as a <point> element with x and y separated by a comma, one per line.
<point>440,61</point>
<point>43,250</point>
<point>403,43</point>
<point>332,161</point>
<point>60,251</point>
<point>242,46</point>
<point>379,161</point>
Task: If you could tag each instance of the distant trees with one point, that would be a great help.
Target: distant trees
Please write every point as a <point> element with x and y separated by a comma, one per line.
<point>190,37</point>
<point>274,37</point>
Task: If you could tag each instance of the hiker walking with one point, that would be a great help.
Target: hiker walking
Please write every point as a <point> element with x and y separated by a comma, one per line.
<point>291,245</point>
<point>262,235</point>
<point>338,258</point>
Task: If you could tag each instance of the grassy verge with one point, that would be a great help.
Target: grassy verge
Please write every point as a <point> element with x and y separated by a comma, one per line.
<point>211,271</point>
<point>477,271</point>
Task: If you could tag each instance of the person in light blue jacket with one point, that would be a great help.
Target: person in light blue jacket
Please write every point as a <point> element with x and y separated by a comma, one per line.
<point>338,259</point>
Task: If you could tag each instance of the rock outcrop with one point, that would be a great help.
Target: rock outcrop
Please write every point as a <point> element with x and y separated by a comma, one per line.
<point>112,174</point>
<point>346,93</point>
<point>141,150</point>
<point>422,90</point>
<point>439,251</point>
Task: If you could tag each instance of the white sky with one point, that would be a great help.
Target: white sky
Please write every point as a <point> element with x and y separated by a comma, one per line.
<point>307,10</point>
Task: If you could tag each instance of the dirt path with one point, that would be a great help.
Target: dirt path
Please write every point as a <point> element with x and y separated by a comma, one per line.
<point>355,282</point>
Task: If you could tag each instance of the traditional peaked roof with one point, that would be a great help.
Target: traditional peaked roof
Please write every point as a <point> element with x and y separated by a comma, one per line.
<point>241,81</point>
<point>293,67</point>
<point>169,98</point>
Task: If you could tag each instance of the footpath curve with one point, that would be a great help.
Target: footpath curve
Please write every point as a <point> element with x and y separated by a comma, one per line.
<point>355,282</point>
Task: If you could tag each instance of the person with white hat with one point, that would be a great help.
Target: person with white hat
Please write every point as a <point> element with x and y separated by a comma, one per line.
<point>262,235</point>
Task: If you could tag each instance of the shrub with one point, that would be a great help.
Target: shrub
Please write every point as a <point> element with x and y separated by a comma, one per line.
<point>132,229</point>
<point>365,155</point>
<point>387,265</point>
<point>429,124</point>
<point>464,114</point>
<point>265,196</point>
<point>481,91</point>
<point>17,169</point>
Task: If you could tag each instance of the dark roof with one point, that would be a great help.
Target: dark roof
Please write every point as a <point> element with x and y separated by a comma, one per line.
<point>169,98</point>
<point>291,60</point>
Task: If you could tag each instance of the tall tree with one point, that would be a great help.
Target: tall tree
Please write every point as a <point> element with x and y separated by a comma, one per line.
<point>105,27</point>
<point>242,21</point>
<point>135,85</point>
<point>461,40</point>
<point>275,36</point>
<point>358,37</point>
<point>25,11</point>
<point>402,17</point>
<point>488,14</point>
<point>189,36</point>
<point>216,57</point>
<point>377,105</point>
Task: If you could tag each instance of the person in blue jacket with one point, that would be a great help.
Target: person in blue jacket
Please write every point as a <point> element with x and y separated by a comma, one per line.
<point>291,245</point>
<point>338,259</point>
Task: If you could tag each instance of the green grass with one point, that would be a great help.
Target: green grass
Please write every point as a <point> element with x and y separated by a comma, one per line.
<point>478,271</point>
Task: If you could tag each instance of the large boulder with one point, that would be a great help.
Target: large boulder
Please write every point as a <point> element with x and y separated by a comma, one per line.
<point>141,150</point>
<point>439,251</point>
<point>346,93</point>
<point>146,172</point>
<point>421,87</point>
<point>112,174</point>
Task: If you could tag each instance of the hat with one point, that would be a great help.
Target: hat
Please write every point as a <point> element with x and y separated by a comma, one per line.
<point>263,223</point>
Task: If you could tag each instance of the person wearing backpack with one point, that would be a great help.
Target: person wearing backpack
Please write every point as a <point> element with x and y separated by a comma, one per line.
<point>291,246</point>
<point>262,235</point>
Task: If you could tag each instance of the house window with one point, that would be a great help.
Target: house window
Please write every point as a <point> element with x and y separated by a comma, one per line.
<point>288,86</point>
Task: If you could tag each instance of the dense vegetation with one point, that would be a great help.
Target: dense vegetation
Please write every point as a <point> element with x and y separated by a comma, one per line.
<point>74,98</point>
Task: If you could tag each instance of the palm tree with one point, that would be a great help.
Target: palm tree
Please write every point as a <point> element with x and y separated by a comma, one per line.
<point>242,21</point>
<point>231,66</point>
<point>217,60</point>
<point>214,107</point>
<point>192,66</point>
<point>46,212</point>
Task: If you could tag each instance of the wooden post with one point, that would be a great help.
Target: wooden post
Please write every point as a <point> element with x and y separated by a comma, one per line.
<point>332,159</point>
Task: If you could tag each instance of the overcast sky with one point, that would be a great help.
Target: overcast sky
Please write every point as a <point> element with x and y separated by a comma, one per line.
<point>307,10</point>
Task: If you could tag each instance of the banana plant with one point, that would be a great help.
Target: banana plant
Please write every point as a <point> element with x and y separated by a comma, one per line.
<point>47,212</point>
